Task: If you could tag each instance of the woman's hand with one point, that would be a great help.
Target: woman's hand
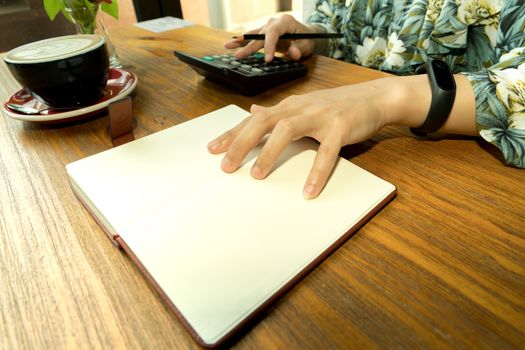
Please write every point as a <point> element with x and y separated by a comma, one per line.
<point>338,117</point>
<point>295,49</point>
<point>334,117</point>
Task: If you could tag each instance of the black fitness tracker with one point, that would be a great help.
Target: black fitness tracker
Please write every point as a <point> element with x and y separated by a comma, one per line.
<point>443,95</point>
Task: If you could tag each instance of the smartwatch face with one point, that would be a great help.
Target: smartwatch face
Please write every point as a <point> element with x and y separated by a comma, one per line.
<point>444,78</point>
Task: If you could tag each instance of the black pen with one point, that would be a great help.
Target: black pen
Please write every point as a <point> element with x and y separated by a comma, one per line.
<point>293,36</point>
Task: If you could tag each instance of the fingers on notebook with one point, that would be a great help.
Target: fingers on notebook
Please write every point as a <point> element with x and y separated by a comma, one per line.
<point>239,141</point>
<point>323,166</point>
<point>284,132</point>
<point>256,127</point>
<point>223,142</point>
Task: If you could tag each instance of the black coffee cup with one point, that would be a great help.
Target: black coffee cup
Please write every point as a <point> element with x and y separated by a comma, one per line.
<point>66,71</point>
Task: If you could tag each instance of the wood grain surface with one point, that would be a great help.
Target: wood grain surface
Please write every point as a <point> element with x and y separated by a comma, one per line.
<point>442,266</point>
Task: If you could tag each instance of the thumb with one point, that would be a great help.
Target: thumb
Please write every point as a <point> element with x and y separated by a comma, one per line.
<point>255,108</point>
<point>300,48</point>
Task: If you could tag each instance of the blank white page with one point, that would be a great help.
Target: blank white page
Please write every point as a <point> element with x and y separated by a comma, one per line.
<point>219,245</point>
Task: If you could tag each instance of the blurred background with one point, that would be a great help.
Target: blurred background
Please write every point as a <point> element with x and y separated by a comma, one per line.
<point>23,21</point>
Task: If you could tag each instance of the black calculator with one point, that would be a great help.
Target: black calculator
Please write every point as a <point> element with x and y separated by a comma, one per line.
<point>250,75</point>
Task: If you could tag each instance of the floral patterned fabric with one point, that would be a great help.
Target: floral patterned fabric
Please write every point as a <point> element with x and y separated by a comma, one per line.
<point>482,39</point>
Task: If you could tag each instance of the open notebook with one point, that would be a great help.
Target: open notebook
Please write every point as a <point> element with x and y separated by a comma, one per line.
<point>220,248</point>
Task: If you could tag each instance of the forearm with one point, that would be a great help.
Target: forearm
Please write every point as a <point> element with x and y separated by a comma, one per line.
<point>409,98</point>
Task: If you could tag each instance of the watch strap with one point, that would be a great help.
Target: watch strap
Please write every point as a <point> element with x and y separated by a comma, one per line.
<point>443,90</point>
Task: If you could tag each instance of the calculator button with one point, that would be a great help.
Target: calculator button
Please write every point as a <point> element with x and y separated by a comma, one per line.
<point>250,75</point>
<point>245,71</point>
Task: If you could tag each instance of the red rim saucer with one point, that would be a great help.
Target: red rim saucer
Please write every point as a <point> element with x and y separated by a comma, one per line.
<point>120,84</point>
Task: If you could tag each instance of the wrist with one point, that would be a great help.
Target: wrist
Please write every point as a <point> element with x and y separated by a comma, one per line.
<point>406,100</point>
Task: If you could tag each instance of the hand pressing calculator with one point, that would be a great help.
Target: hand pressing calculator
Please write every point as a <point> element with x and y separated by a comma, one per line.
<point>249,75</point>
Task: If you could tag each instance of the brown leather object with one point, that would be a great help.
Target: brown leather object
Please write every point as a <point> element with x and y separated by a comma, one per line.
<point>121,121</point>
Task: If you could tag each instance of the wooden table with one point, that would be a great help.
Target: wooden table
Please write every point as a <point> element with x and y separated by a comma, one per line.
<point>442,266</point>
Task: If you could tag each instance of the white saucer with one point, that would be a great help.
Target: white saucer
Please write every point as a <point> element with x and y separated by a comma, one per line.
<point>120,84</point>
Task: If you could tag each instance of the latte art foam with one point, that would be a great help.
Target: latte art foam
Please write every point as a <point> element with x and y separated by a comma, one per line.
<point>54,48</point>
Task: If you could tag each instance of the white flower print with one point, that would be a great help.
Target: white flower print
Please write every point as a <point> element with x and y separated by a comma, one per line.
<point>517,121</point>
<point>489,135</point>
<point>372,52</point>
<point>481,12</point>
<point>395,47</point>
<point>338,54</point>
<point>325,8</point>
<point>510,87</point>
<point>518,51</point>
<point>434,9</point>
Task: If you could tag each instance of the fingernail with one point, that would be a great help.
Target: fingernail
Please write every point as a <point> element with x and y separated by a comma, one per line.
<point>214,145</point>
<point>309,191</point>
<point>227,164</point>
<point>256,172</point>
